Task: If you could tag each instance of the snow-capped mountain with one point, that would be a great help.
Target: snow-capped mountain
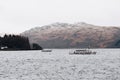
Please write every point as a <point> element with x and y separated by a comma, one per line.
<point>64,35</point>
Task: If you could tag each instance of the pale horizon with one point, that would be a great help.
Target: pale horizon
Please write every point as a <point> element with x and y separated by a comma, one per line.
<point>18,16</point>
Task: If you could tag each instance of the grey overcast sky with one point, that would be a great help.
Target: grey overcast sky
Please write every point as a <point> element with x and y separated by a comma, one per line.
<point>17,16</point>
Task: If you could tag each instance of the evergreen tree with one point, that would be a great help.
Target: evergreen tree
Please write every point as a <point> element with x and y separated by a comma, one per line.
<point>117,44</point>
<point>15,42</point>
<point>37,47</point>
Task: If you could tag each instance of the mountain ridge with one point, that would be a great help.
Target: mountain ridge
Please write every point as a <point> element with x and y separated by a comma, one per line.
<point>77,35</point>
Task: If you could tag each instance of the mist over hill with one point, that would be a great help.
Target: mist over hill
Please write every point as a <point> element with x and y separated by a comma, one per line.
<point>77,35</point>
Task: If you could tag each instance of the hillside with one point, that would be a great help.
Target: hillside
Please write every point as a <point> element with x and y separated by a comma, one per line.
<point>78,35</point>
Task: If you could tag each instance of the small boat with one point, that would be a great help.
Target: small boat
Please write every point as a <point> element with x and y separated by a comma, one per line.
<point>47,50</point>
<point>83,52</point>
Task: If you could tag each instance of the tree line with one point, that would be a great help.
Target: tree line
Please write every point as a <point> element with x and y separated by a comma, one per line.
<point>117,44</point>
<point>17,42</point>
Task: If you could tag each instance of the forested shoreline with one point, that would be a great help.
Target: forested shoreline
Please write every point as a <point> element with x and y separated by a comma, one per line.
<point>17,42</point>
